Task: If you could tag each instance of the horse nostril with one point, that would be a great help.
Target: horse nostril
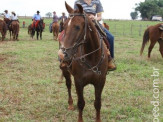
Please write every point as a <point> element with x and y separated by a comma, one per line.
<point>65,55</point>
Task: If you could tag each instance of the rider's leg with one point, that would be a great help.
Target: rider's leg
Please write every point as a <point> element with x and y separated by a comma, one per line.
<point>110,39</point>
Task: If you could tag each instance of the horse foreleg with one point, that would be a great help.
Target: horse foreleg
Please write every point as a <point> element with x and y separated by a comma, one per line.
<point>152,44</point>
<point>67,76</point>
<point>41,35</point>
<point>81,102</point>
<point>161,47</point>
<point>97,103</point>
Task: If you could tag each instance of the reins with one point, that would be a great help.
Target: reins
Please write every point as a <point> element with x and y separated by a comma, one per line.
<point>78,44</point>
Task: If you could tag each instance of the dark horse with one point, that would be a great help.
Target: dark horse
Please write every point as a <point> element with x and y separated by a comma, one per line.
<point>61,24</point>
<point>83,55</point>
<point>154,34</point>
<point>39,29</point>
<point>3,29</point>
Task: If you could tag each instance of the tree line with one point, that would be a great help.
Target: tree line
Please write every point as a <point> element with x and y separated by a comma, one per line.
<point>148,9</point>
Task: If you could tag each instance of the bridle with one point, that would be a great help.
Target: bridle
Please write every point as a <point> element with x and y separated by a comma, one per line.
<point>73,49</point>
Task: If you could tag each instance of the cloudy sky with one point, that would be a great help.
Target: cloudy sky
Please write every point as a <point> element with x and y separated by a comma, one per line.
<point>113,9</point>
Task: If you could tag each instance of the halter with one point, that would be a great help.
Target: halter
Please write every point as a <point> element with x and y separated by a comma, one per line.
<point>72,50</point>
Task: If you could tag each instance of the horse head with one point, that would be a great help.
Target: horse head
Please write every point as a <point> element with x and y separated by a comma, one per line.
<point>75,31</point>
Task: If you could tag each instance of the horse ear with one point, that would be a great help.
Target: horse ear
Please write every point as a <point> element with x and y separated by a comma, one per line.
<point>69,9</point>
<point>80,8</point>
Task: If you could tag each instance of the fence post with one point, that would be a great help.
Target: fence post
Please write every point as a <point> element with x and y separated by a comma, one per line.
<point>115,26</point>
<point>123,30</point>
<point>131,29</point>
<point>140,30</point>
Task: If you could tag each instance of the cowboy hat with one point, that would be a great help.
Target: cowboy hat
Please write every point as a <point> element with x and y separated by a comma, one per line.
<point>6,11</point>
<point>13,12</point>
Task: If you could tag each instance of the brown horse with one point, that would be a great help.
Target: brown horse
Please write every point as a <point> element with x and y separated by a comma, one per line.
<point>14,30</point>
<point>106,26</point>
<point>83,55</point>
<point>3,29</point>
<point>154,34</point>
<point>55,29</point>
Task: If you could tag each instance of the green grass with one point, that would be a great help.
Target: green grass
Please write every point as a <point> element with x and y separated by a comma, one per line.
<point>31,89</point>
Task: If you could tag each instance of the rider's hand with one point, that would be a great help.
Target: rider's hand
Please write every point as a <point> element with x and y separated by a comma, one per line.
<point>92,17</point>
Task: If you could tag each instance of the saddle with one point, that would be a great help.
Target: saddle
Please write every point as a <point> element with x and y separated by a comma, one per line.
<point>101,32</point>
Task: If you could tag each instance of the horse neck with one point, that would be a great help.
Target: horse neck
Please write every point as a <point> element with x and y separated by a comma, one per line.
<point>92,41</point>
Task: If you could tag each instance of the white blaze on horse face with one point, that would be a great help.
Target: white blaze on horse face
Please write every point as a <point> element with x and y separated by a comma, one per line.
<point>70,21</point>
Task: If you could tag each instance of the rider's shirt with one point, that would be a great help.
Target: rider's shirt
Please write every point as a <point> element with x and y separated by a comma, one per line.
<point>63,17</point>
<point>94,8</point>
<point>55,18</point>
<point>37,17</point>
<point>6,16</point>
<point>14,17</point>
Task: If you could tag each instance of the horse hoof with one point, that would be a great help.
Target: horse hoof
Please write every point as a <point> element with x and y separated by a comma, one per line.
<point>70,107</point>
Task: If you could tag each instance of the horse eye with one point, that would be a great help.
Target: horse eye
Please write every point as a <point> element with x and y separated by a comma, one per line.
<point>77,27</point>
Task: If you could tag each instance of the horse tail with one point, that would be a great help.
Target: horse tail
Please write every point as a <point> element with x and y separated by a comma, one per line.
<point>145,40</point>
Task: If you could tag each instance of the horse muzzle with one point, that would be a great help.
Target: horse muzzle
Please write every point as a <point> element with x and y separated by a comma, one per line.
<point>64,56</point>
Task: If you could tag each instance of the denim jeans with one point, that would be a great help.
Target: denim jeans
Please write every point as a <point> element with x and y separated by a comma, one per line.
<point>110,38</point>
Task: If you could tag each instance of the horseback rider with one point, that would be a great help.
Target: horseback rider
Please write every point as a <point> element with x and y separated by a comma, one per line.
<point>63,18</point>
<point>6,15</point>
<point>36,19</point>
<point>6,18</point>
<point>13,17</point>
<point>55,19</point>
<point>94,9</point>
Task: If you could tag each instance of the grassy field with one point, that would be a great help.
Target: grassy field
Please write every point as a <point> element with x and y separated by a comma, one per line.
<point>31,89</point>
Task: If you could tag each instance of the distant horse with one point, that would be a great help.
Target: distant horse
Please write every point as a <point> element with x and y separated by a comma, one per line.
<point>7,21</point>
<point>31,31</point>
<point>55,29</point>
<point>39,29</point>
<point>61,24</point>
<point>3,29</point>
<point>14,30</point>
<point>83,55</point>
<point>106,26</point>
<point>154,34</point>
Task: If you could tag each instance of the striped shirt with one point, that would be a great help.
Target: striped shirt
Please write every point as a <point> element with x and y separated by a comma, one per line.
<point>94,8</point>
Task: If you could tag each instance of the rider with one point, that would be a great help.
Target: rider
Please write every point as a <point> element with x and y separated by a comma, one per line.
<point>55,19</point>
<point>63,17</point>
<point>6,15</point>
<point>94,9</point>
<point>13,17</point>
<point>36,19</point>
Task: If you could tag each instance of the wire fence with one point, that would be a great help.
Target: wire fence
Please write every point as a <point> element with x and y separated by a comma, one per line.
<point>129,30</point>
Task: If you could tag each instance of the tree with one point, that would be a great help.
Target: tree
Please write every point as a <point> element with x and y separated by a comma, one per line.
<point>149,8</point>
<point>134,15</point>
<point>49,14</point>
